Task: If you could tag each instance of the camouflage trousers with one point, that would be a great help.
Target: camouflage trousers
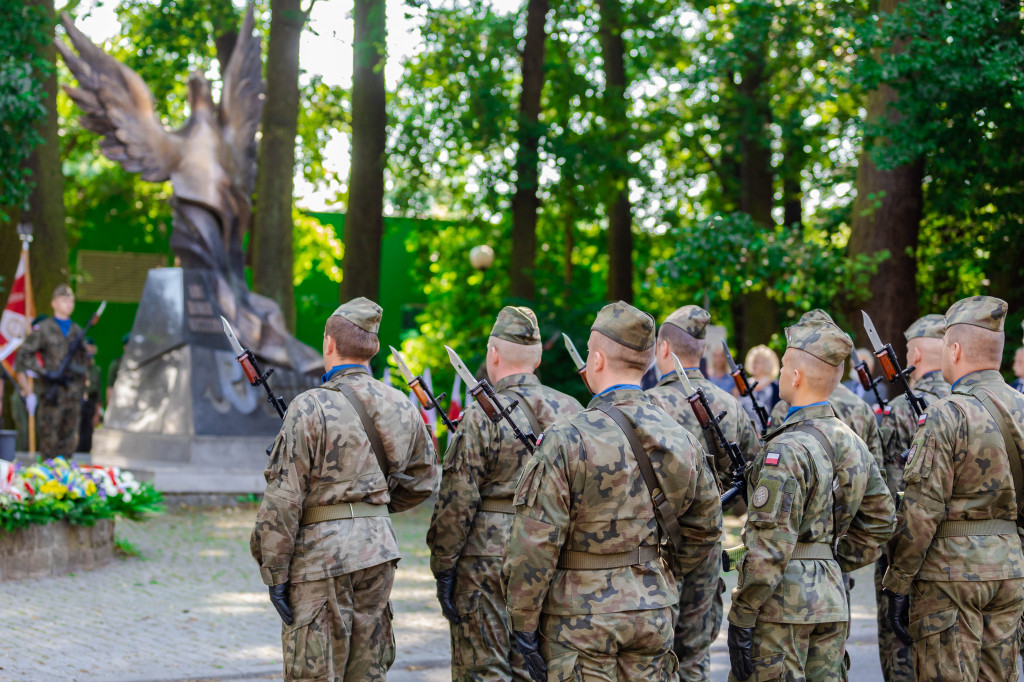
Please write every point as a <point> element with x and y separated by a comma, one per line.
<point>481,649</point>
<point>896,657</point>
<point>966,630</point>
<point>798,652</point>
<point>342,627</point>
<point>606,647</point>
<point>57,425</point>
<point>698,618</point>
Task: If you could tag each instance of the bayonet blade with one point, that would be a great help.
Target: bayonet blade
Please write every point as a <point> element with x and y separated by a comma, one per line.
<point>728,357</point>
<point>573,353</point>
<point>460,367</point>
<point>232,339</point>
<point>99,311</point>
<point>869,327</point>
<point>855,357</point>
<point>402,367</point>
<point>682,375</point>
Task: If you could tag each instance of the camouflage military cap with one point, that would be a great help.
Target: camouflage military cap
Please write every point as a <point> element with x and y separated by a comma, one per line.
<point>517,324</point>
<point>622,323</point>
<point>692,319</point>
<point>62,290</point>
<point>928,327</point>
<point>816,314</point>
<point>362,312</point>
<point>822,339</point>
<point>986,312</point>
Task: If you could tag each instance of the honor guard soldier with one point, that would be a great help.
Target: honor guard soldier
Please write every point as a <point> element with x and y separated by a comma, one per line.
<point>818,506</point>
<point>473,514</point>
<point>57,417</point>
<point>700,609</point>
<point>614,505</point>
<point>348,453</point>
<point>924,354</point>
<point>956,567</point>
<point>850,409</point>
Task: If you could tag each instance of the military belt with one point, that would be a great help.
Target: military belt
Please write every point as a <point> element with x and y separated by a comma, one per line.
<point>496,504</point>
<point>569,560</point>
<point>813,550</point>
<point>348,510</point>
<point>957,529</point>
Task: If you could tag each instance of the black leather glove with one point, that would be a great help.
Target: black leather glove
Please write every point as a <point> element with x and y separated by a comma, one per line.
<point>899,616</point>
<point>446,594</point>
<point>528,644</point>
<point>883,563</point>
<point>741,651</point>
<point>279,598</point>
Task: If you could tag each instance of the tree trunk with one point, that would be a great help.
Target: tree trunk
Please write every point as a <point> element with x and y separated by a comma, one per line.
<point>620,212</point>
<point>525,201</point>
<point>757,194</point>
<point>364,222</point>
<point>271,242</point>
<point>887,216</point>
<point>49,256</point>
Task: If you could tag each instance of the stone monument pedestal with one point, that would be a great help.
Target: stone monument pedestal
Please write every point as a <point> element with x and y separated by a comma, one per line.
<point>182,415</point>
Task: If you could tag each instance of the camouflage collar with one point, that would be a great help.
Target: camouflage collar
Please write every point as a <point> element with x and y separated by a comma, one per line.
<point>692,373</point>
<point>802,415</point>
<point>619,396</point>
<point>981,376</point>
<point>513,380</point>
<point>932,382</point>
<point>338,371</point>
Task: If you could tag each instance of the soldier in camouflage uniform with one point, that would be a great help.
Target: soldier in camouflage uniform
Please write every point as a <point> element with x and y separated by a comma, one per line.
<point>323,539</point>
<point>818,506</point>
<point>899,423</point>
<point>473,513</point>
<point>700,610</point>
<point>56,420</point>
<point>956,567</point>
<point>589,593</point>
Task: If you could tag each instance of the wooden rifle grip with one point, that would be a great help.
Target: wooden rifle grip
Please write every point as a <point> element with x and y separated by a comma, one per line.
<point>890,371</point>
<point>485,402</point>
<point>583,375</point>
<point>862,374</point>
<point>741,384</point>
<point>702,415</point>
<point>420,393</point>
<point>248,369</point>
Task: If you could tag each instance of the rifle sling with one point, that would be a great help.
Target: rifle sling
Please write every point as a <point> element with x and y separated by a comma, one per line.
<point>838,495</point>
<point>527,410</point>
<point>663,511</point>
<point>376,444</point>
<point>1012,448</point>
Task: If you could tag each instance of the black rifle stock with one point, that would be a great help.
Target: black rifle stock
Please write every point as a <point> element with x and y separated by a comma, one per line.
<point>61,375</point>
<point>484,394</point>
<point>709,422</point>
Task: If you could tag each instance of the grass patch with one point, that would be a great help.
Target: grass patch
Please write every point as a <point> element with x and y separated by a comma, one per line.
<point>124,549</point>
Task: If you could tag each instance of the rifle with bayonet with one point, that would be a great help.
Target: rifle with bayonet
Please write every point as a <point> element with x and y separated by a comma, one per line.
<point>59,378</point>
<point>868,382</point>
<point>709,422</point>
<point>746,389</point>
<point>422,392</point>
<point>891,367</point>
<point>581,367</point>
<point>252,371</point>
<point>484,394</point>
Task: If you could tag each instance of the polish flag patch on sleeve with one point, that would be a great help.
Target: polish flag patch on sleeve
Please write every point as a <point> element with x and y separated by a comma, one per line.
<point>771,459</point>
<point>923,419</point>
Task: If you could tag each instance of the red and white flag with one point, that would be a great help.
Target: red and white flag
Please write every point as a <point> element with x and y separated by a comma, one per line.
<point>14,319</point>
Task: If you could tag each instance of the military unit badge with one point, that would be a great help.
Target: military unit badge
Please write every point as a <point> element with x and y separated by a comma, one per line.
<point>760,495</point>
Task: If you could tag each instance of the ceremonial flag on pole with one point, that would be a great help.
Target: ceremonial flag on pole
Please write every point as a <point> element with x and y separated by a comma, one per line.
<point>455,406</point>
<point>14,320</point>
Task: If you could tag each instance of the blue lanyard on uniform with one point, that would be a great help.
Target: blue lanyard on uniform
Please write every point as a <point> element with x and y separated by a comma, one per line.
<point>800,407</point>
<point>616,387</point>
<point>337,368</point>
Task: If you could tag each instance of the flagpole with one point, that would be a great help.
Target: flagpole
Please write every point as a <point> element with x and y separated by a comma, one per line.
<point>30,314</point>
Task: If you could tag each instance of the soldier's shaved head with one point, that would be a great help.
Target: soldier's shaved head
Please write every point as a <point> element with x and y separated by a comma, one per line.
<point>620,357</point>
<point>982,348</point>
<point>925,354</point>
<point>818,376</point>
<point>517,355</point>
<point>687,348</point>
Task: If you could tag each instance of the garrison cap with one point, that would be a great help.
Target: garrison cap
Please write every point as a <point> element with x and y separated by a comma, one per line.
<point>822,339</point>
<point>928,327</point>
<point>626,325</point>
<point>362,312</point>
<point>692,319</point>
<point>816,314</point>
<point>517,324</point>
<point>986,312</point>
<point>62,290</point>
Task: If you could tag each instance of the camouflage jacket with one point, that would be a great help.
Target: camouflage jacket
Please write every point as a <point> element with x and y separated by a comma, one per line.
<point>322,457</point>
<point>484,460</point>
<point>957,470</point>
<point>853,412</point>
<point>899,425</point>
<point>670,396</point>
<point>49,342</point>
<point>583,491</point>
<point>790,492</point>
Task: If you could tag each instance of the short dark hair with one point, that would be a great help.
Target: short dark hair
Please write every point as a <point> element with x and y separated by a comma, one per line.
<point>686,347</point>
<point>352,342</point>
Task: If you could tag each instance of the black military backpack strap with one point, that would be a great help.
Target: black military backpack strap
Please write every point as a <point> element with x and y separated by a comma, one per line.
<point>527,410</point>
<point>838,495</point>
<point>1012,448</point>
<point>372,434</point>
<point>663,511</point>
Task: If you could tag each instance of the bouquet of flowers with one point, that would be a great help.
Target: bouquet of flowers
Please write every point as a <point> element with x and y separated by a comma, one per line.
<point>58,489</point>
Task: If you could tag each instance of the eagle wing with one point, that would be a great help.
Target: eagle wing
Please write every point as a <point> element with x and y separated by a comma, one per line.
<point>241,104</point>
<point>119,106</point>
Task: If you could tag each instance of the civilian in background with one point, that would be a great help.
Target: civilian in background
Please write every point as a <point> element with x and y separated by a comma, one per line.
<point>762,365</point>
<point>1018,370</point>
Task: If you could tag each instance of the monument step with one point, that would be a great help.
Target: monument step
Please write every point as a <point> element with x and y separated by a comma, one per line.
<point>193,480</point>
